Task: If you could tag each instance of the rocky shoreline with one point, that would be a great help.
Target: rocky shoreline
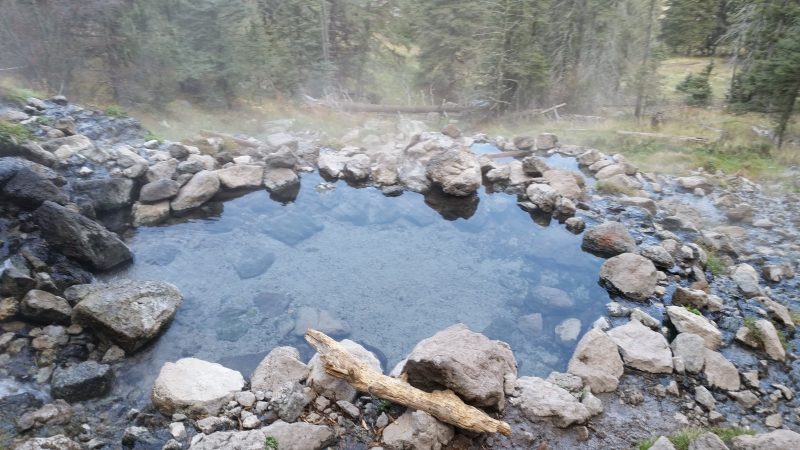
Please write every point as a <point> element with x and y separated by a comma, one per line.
<point>701,268</point>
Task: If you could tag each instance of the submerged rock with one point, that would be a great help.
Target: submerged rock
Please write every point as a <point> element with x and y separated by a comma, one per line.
<point>466,362</point>
<point>79,237</point>
<point>631,275</point>
<point>539,399</point>
<point>82,382</point>
<point>596,360</point>
<point>129,312</point>
<point>194,387</point>
<point>288,436</point>
<point>417,430</point>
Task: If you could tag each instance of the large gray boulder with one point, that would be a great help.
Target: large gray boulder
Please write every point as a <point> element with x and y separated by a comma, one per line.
<point>642,348</point>
<point>539,399</point>
<point>86,380</point>
<point>631,275</point>
<point>241,176</point>
<point>466,362</point>
<point>417,430</point>
<point>774,440</point>
<point>596,360</point>
<point>608,239</point>
<point>281,365</point>
<point>458,172</point>
<point>201,188</point>
<point>195,387</point>
<point>79,237</point>
<point>129,312</point>
<point>289,436</point>
<point>335,388</point>
<point>107,194</point>
<point>566,183</point>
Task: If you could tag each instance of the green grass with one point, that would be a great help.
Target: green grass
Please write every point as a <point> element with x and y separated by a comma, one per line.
<point>750,324</point>
<point>10,132</point>
<point>714,264</point>
<point>150,136</point>
<point>693,310</point>
<point>795,314</point>
<point>115,111</point>
<point>728,433</point>
<point>683,438</point>
<point>17,95</point>
<point>270,443</point>
<point>384,405</point>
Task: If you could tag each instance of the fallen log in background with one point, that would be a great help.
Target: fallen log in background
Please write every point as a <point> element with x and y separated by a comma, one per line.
<point>444,405</point>
<point>694,139</point>
<point>240,141</point>
<point>395,109</point>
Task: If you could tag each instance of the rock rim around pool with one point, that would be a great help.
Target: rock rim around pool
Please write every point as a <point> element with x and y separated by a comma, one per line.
<point>630,275</point>
<point>468,363</point>
<point>128,312</point>
<point>194,387</point>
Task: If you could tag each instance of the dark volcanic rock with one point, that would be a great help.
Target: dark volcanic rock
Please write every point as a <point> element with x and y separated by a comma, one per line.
<point>106,194</point>
<point>79,237</point>
<point>28,189</point>
<point>84,381</point>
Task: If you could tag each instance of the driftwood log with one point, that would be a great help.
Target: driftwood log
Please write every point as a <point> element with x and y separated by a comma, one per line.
<point>444,405</point>
<point>240,141</point>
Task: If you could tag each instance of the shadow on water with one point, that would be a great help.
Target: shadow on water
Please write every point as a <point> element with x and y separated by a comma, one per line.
<point>386,272</point>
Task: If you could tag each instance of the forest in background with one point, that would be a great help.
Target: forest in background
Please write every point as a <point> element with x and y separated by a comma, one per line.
<point>498,56</point>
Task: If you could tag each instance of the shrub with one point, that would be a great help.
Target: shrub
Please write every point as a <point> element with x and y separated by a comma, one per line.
<point>697,87</point>
<point>10,132</point>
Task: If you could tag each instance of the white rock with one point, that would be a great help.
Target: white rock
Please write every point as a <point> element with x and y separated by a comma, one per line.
<point>596,360</point>
<point>687,322</point>
<point>642,348</point>
<point>195,387</point>
<point>540,399</point>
